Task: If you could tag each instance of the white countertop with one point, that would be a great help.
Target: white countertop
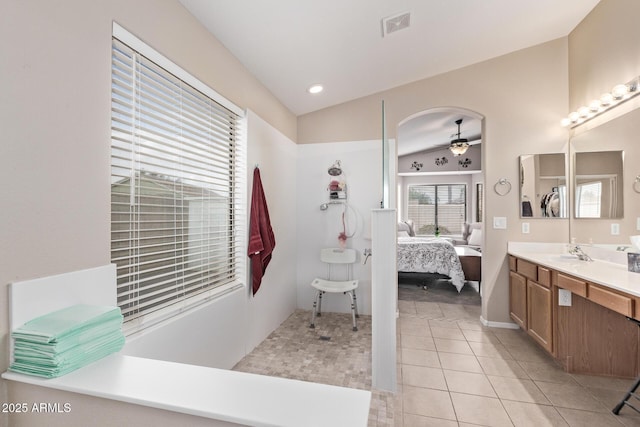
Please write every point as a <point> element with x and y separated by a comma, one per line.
<point>238,397</point>
<point>611,272</point>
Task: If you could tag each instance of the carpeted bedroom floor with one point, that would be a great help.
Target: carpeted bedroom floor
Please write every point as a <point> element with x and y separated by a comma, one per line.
<point>426,287</point>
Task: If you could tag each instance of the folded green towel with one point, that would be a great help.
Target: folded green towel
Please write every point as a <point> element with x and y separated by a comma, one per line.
<point>69,341</point>
<point>69,321</point>
<point>111,340</point>
<point>65,340</point>
<point>50,371</point>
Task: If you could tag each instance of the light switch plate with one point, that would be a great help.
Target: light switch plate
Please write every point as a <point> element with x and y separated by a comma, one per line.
<point>638,223</point>
<point>615,229</point>
<point>500,222</point>
<point>525,228</point>
<point>564,298</point>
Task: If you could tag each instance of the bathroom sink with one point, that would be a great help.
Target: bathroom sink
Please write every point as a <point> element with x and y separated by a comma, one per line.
<point>568,258</point>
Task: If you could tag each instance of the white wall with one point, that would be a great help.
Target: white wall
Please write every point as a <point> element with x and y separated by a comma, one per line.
<point>276,299</point>
<point>316,229</point>
<point>220,333</point>
<point>213,335</point>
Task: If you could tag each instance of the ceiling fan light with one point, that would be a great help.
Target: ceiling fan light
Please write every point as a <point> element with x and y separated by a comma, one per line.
<point>459,146</point>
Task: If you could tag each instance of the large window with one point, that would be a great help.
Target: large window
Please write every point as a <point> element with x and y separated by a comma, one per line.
<point>175,233</point>
<point>437,209</point>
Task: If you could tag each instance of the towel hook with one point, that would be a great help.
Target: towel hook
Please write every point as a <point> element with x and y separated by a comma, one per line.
<point>636,184</point>
<point>502,187</point>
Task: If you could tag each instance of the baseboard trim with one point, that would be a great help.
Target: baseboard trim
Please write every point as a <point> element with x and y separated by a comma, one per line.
<point>504,325</point>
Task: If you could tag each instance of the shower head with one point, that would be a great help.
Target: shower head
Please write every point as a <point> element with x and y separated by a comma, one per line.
<point>335,169</point>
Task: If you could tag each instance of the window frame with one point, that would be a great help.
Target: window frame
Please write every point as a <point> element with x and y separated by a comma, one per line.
<point>436,206</point>
<point>237,204</point>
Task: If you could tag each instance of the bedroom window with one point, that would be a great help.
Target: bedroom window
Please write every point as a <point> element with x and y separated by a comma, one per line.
<point>437,209</point>
<point>176,231</point>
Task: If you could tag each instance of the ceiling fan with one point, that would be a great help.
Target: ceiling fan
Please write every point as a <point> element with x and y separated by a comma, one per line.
<point>459,146</point>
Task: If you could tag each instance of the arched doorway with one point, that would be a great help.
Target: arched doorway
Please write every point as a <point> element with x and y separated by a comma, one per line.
<point>441,194</point>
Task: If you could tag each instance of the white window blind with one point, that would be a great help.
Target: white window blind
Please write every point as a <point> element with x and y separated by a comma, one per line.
<point>441,207</point>
<point>589,200</point>
<point>176,229</point>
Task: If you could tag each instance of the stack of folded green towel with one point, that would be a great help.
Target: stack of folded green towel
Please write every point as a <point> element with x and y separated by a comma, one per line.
<point>65,340</point>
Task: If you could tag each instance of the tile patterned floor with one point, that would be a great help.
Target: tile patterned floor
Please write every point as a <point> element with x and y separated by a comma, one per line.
<point>452,371</point>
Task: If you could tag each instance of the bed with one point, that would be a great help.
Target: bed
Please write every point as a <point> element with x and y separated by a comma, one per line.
<point>430,255</point>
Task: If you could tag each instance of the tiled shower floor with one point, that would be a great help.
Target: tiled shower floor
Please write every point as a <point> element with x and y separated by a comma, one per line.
<point>452,371</point>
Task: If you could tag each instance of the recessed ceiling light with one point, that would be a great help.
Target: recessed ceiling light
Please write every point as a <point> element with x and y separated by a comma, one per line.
<point>315,89</point>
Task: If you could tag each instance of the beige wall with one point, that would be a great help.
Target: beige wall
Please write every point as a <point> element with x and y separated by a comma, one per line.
<point>522,96</point>
<point>603,52</point>
<point>54,116</point>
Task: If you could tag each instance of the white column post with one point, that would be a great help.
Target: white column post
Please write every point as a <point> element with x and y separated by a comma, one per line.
<point>384,299</point>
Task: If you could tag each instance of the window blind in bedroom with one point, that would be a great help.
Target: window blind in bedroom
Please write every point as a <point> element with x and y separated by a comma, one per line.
<point>437,206</point>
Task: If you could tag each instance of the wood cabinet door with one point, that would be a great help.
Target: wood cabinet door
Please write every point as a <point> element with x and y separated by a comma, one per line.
<point>518,299</point>
<point>539,314</point>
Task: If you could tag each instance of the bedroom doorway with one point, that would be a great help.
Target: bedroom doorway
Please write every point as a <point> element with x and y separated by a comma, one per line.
<point>439,188</point>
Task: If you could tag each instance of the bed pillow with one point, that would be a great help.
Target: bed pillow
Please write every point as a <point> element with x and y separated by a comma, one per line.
<point>410,224</point>
<point>475,238</point>
<point>403,233</point>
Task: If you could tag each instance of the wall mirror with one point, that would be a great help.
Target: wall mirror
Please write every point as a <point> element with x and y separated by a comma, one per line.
<point>543,186</point>
<point>618,136</point>
<point>598,187</point>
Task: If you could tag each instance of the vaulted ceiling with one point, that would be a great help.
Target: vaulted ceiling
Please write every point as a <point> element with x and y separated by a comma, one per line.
<point>291,44</point>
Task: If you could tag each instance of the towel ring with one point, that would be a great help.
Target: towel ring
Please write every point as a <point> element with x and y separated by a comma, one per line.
<point>502,187</point>
<point>636,184</point>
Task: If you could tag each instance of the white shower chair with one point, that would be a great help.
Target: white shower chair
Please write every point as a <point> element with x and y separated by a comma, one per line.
<point>348,287</point>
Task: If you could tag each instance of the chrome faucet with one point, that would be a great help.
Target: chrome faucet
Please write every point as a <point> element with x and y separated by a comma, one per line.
<point>576,250</point>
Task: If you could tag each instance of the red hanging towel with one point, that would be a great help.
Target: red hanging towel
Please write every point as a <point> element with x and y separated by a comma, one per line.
<point>261,238</point>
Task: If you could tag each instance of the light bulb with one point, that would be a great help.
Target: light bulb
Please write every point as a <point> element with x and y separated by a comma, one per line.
<point>583,112</point>
<point>619,91</point>
<point>565,122</point>
<point>606,99</point>
<point>574,117</point>
<point>594,106</point>
<point>315,89</point>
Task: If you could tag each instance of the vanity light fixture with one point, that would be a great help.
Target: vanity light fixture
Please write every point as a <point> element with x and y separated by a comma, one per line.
<point>314,89</point>
<point>459,146</point>
<point>618,94</point>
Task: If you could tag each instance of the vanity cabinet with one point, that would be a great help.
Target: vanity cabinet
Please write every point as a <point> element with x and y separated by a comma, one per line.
<point>531,300</point>
<point>592,335</point>
<point>540,314</point>
<point>518,299</point>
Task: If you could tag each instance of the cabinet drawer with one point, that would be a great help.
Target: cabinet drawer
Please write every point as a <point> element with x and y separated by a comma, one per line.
<point>512,263</point>
<point>611,300</point>
<point>527,269</point>
<point>577,286</point>
<point>544,276</point>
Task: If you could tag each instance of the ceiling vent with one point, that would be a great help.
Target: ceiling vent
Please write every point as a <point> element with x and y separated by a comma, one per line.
<point>394,23</point>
